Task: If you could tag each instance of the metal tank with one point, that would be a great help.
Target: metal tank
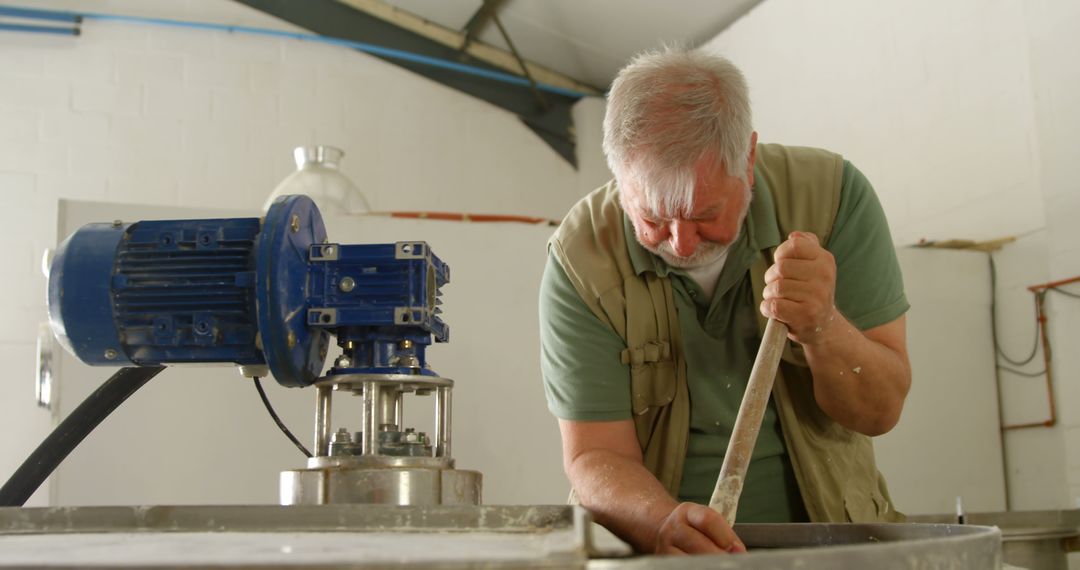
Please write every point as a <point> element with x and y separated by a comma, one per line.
<point>831,546</point>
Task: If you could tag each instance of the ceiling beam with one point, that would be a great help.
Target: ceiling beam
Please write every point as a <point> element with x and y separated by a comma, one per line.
<point>339,19</point>
<point>500,58</point>
<point>480,20</point>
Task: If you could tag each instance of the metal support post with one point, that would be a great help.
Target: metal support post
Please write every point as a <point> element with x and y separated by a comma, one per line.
<point>442,421</point>
<point>323,395</point>
<point>370,444</point>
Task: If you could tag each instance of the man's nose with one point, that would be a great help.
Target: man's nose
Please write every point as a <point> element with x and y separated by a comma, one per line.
<point>684,237</point>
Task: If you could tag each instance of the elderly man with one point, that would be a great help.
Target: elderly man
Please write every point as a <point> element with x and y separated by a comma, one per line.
<point>656,290</point>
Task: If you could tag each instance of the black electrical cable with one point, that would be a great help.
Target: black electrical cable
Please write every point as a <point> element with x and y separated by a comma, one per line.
<point>277,420</point>
<point>67,436</point>
<point>993,322</point>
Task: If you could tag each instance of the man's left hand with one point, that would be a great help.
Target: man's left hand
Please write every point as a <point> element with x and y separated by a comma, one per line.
<point>799,288</point>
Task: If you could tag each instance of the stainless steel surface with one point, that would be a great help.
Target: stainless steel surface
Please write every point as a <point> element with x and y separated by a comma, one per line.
<point>819,546</point>
<point>379,461</point>
<point>442,422</point>
<point>399,410</point>
<point>323,428</point>
<point>43,385</point>
<point>319,176</point>
<point>332,536</point>
<point>380,485</point>
<point>1030,539</point>
<point>388,399</point>
<point>321,154</point>
<point>1041,549</point>
<point>385,462</point>
<point>383,407</point>
<point>404,382</point>
<point>254,370</point>
<point>371,419</point>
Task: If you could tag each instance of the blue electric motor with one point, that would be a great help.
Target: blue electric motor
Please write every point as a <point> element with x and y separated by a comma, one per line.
<point>255,292</point>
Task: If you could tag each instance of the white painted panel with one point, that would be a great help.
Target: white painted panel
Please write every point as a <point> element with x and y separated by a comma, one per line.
<point>947,443</point>
<point>201,436</point>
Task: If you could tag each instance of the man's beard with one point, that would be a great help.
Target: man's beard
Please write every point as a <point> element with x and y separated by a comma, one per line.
<point>706,252</point>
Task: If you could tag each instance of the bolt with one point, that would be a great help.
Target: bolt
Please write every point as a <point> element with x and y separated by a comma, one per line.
<point>294,223</point>
<point>291,339</point>
<point>347,284</point>
<point>110,354</point>
<point>405,344</point>
<point>328,251</point>
<point>342,435</point>
<point>343,362</point>
<point>411,437</point>
<point>117,223</point>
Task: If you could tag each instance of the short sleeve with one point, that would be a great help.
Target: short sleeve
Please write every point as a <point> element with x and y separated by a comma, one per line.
<point>584,378</point>
<point>869,286</point>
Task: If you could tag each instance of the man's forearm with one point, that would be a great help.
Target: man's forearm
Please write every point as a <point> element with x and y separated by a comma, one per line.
<point>859,382</point>
<point>622,496</point>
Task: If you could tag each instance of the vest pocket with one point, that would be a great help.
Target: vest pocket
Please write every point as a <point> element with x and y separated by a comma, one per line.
<point>861,506</point>
<point>652,385</point>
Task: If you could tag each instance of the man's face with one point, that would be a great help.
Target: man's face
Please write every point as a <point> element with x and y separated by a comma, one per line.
<point>720,206</point>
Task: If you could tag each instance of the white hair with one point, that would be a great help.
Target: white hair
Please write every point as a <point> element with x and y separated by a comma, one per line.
<point>667,110</point>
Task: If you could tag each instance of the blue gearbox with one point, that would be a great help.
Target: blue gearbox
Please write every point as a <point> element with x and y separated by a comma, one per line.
<point>246,291</point>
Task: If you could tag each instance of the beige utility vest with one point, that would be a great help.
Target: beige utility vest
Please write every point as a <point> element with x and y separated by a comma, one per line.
<point>834,466</point>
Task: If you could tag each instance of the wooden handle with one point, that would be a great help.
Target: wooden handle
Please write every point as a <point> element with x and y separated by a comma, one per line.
<point>725,497</point>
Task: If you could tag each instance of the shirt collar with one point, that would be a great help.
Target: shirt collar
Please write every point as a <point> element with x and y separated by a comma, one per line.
<point>760,229</point>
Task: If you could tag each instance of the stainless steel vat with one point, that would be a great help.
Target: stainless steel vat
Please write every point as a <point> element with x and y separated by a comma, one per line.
<point>823,546</point>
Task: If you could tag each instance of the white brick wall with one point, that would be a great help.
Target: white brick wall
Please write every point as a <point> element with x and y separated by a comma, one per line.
<point>132,113</point>
<point>1056,81</point>
<point>964,116</point>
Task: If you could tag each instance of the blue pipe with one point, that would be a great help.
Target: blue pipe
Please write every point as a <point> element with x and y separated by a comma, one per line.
<point>35,14</point>
<point>360,46</point>
<point>38,29</point>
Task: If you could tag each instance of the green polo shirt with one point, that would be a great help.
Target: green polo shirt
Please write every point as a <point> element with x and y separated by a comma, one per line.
<point>585,380</point>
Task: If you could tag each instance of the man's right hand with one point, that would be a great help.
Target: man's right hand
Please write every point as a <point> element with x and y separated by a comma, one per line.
<point>604,464</point>
<point>696,529</point>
